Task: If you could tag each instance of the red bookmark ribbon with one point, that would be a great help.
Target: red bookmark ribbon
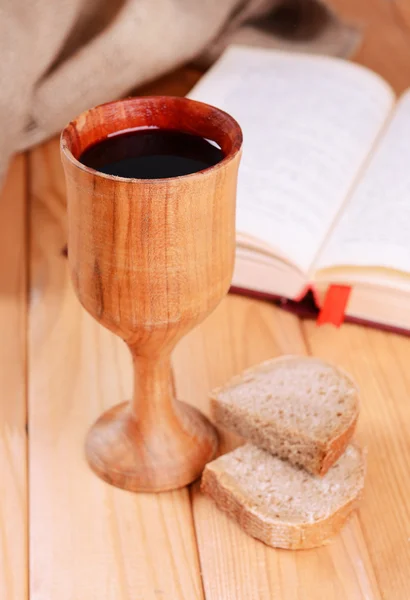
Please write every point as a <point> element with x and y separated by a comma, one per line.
<point>334,305</point>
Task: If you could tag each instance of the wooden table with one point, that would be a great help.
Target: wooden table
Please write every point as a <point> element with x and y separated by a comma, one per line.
<point>64,534</point>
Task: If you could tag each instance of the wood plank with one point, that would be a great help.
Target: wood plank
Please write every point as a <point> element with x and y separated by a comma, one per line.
<point>234,566</point>
<point>88,540</point>
<point>380,363</point>
<point>13,438</point>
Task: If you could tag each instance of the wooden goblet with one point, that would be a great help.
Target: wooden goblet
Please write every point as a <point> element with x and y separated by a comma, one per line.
<point>150,259</point>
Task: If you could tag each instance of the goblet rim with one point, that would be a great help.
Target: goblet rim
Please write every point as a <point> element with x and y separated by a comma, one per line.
<point>237,139</point>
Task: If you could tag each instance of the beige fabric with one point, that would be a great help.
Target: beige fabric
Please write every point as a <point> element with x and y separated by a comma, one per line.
<point>60,58</point>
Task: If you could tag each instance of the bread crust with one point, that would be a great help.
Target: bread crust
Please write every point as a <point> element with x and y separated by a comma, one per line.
<point>336,447</point>
<point>327,453</point>
<point>229,498</point>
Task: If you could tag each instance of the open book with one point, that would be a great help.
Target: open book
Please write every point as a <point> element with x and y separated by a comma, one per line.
<point>324,184</point>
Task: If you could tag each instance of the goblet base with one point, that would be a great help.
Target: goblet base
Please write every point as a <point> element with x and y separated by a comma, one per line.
<point>151,455</point>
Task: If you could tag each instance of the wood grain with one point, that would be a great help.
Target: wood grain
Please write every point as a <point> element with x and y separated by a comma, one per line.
<point>379,362</point>
<point>149,260</point>
<point>13,439</point>
<point>241,333</point>
<point>88,540</point>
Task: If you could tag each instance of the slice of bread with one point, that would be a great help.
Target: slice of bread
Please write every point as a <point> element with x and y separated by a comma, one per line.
<point>299,408</point>
<point>282,505</point>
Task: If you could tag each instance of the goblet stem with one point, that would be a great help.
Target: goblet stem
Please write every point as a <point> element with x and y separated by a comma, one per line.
<point>153,443</point>
<point>153,389</point>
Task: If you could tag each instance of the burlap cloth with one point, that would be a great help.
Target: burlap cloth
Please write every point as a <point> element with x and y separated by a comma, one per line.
<point>58,58</point>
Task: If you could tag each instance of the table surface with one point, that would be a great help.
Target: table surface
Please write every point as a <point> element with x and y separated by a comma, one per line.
<point>66,535</point>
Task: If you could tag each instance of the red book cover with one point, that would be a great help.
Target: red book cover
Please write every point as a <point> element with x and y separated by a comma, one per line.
<point>307,308</point>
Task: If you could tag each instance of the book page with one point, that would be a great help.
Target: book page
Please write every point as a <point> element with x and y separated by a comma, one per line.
<point>374,230</point>
<point>309,123</point>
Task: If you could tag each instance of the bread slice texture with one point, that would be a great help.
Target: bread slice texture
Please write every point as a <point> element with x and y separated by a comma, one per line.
<point>281,505</point>
<point>301,409</point>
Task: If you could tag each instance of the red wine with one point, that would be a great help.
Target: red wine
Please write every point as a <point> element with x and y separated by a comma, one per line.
<point>151,154</point>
